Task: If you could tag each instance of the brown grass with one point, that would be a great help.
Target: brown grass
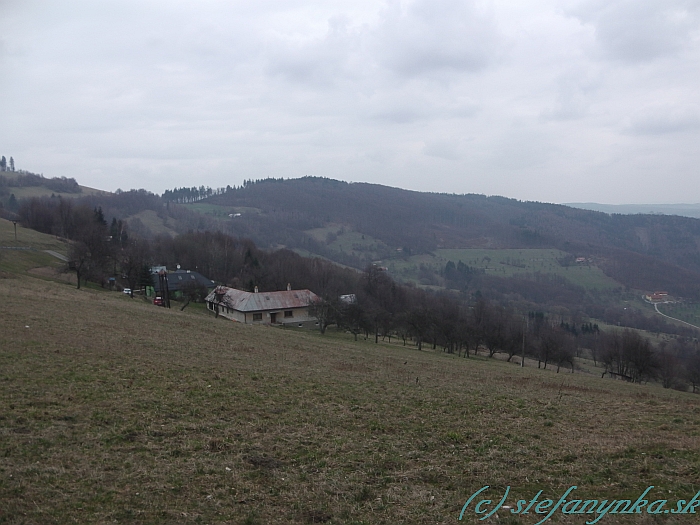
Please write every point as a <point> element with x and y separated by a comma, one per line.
<point>112,409</point>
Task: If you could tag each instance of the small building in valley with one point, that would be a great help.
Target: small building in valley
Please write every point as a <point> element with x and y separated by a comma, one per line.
<point>179,281</point>
<point>284,307</point>
<point>657,297</point>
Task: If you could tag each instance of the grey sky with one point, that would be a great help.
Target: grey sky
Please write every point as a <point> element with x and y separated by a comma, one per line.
<point>559,101</point>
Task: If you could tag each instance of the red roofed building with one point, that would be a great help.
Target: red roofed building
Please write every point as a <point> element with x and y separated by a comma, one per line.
<point>285,307</point>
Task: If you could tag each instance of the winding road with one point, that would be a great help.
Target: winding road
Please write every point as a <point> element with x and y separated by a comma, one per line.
<point>656,307</point>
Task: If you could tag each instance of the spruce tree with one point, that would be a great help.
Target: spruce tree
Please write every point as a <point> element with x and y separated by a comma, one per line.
<point>12,203</point>
<point>146,278</point>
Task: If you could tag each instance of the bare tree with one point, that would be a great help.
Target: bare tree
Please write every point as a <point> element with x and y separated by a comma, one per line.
<point>79,258</point>
<point>692,371</point>
<point>325,311</point>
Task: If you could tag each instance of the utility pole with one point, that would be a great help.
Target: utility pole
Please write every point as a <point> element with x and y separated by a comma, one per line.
<point>164,291</point>
<point>522,359</point>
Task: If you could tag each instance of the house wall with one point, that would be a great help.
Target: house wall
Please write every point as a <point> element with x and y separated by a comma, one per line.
<point>228,313</point>
<point>299,315</point>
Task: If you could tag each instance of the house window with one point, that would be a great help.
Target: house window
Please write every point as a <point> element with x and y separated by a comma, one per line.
<point>257,317</point>
<point>288,313</point>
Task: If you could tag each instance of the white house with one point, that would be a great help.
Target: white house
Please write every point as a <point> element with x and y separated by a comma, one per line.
<point>285,307</point>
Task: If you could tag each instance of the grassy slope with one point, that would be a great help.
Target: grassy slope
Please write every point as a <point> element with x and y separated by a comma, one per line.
<point>506,263</point>
<point>144,415</point>
<point>218,211</point>
<point>688,312</point>
<point>153,222</point>
<point>32,255</point>
<point>349,241</point>
<point>42,191</point>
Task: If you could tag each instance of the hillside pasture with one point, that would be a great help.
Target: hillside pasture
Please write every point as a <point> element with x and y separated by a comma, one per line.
<point>343,239</point>
<point>154,224</point>
<point>112,409</point>
<point>28,251</point>
<point>220,211</point>
<point>26,192</point>
<point>685,311</point>
<point>508,263</point>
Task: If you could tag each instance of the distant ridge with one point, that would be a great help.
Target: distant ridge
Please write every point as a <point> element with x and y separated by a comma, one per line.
<point>360,224</point>
<point>682,210</point>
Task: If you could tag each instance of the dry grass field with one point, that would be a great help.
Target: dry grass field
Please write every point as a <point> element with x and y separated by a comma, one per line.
<point>116,411</point>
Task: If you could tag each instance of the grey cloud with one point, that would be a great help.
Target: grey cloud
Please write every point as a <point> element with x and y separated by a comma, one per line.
<point>317,61</point>
<point>522,148</point>
<point>398,115</point>
<point>660,122</point>
<point>640,30</point>
<point>436,35</point>
<point>572,101</point>
<point>141,92</point>
<point>443,149</point>
<point>423,39</point>
<point>413,103</point>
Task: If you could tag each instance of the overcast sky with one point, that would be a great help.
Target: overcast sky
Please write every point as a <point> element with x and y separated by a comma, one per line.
<point>548,100</point>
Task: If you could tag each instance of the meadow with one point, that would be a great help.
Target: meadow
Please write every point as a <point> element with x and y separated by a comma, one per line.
<point>507,263</point>
<point>220,211</point>
<point>29,250</point>
<point>685,311</point>
<point>157,225</point>
<point>113,410</point>
<point>344,239</point>
<point>27,192</point>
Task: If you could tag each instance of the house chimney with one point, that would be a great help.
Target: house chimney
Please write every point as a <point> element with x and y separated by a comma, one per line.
<point>256,289</point>
<point>289,287</point>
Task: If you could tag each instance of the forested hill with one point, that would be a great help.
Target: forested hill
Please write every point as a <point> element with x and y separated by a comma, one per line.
<point>358,223</point>
<point>279,211</point>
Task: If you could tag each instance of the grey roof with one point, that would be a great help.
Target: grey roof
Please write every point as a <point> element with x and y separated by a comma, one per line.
<point>256,302</point>
<point>178,278</point>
